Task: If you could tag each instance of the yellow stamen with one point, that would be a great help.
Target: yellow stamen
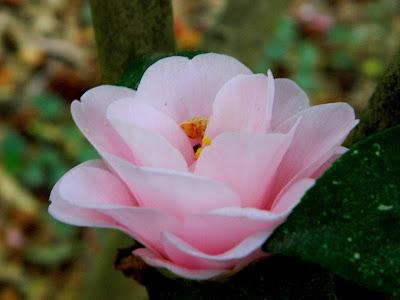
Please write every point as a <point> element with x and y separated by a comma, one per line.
<point>194,127</point>
<point>206,141</point>
<point>198,152</point>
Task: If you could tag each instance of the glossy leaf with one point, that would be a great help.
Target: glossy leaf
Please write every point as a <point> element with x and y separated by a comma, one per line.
<point>349,221</point>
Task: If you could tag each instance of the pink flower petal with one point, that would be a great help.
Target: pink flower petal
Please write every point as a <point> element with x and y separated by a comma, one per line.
<point>93,196</point>
<point>65,212</point>
<point>232,256</point>
<point>89,185</point>
<point>157,261</point>
<point>223,229</point>
<point>128,112</point>
<point>291,196</point>
<point>320,132</point>
<point>184,259</point>
<point>177,193</point>
<point>241,105</point>
<point>270,98</point>
<point>83,214</point>
<point>289,100</point>
<point>149,149</point>
<point>89,115</point>
<point>245,162</point>
<point>321,170</point>
<point>186,88</point>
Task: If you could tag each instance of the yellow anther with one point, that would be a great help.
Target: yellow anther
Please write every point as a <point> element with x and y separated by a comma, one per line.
<point>194,127</point>
<point>198,152</point>
<point>206,141</point>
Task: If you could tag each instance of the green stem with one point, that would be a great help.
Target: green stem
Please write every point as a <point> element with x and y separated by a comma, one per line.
<point>383,110</point>
<point>128,29</point>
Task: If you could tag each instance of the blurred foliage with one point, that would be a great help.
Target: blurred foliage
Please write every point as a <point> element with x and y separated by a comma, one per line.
<point>336,50</point>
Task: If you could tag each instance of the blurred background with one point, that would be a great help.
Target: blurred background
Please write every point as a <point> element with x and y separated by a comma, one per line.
<point>335,50</point>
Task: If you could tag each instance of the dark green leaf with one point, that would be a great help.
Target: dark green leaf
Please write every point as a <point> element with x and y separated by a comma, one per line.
<point>274,278</point>
<point>349,221</point>
<point>135,71</point>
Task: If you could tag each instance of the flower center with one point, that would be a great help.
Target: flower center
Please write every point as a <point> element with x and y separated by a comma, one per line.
<point>195,129</point>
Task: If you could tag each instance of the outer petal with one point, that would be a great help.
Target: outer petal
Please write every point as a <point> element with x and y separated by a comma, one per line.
<point>92,196</point>
<point>178,193</point>
<point>289,100</point>
<point>157,261</point>
<point>241,105</point>
<point>233,256</point>
<point>89,115</point>
<point>186,88</point>
<point>88,185</point>
<point>134,113</point>
<point>321,170</point>
<point>187,260</point>
<point>321,130</point>
<point>223,229</point>
<point>270,98</point>
<point>291,196</point>
<point>70,214</point>
<point>245,162</point>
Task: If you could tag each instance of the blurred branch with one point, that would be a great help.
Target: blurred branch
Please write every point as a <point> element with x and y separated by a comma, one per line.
<point>383,110</point>
<point>244,28</point>
<point>128,29</point>
<point>104,282</point>
<point>125,30</point>
<point>15,195</point>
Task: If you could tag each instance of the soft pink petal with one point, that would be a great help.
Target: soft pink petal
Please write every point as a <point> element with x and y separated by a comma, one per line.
<point>144,224</point>
<point>291,196</point>
<point>320,132</point>
<point>157,261</point>
<point>321,170</point>
<point>90,195</point>
<point>241,105</point>
<point>270,98</point>
<point>245,162</point>
<point>149,149</point>
<point>66,209</point>
<point>186,88</point>
<point>184,259</point>
<point>136,113</point>
<point>178,193</point>
<point>89,115</point>
<point>289,100</point>
<point>65,212</point>
<point>88,185</point>
<point>221,230</point>
<point>232,256</point>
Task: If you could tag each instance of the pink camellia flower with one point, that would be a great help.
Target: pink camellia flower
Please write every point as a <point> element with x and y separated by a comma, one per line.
<point>201,163</point>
